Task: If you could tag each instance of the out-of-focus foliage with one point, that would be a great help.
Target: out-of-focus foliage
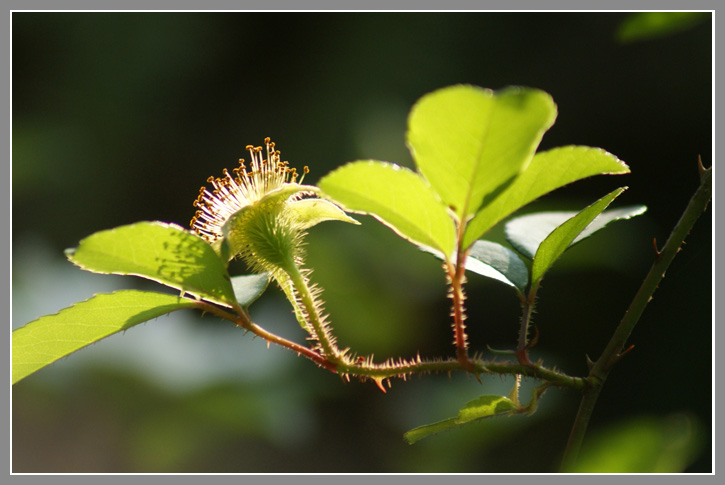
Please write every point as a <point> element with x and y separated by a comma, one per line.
<point>652,25</point>
<point>642,445</point>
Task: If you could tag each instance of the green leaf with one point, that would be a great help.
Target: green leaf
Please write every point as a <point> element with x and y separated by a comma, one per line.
<point>495,261</point>
<point>547,171</point>
<point>562,237</point>
<point>651,25</point>
<point>498,262</point>
<point>397,197</point>
<point>641,445</point>
<point>527,232</point>
<point>469,141</point>
<point>479,408</point>
<point>309,212</point>
<point>417,434</point>
<point>485,407</point>
<point>247,288</point>
<point>47,339</point>
<point>161,252</point>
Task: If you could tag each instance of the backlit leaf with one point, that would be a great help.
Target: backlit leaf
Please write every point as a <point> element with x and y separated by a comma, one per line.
<point>562,237</point>
<point>548,171</point>
<point>47,339</point>
<point>480,408</point>
<point>468,141</point>
<point>309,212</point>
<point>396,196</point>
<point>162,252</point>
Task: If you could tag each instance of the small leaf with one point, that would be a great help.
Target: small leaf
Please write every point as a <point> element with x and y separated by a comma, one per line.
<point>309,212</point>
<point>479,408</point>
<point>468,141</point>
<point>485,407</point>
<point>498,262</point>
<point>527,232</point>
<point>247,288</point>
<point>397,197</point>
<point>548,171</point>
<point>51,337</point>
<point>417,434</point>
<point>161,252</point>
<point>562,237</point>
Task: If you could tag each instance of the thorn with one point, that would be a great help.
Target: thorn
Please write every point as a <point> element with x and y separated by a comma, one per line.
<point>590,362</point>
<point>658,253</point>
<point>700,167</point>
<point>379,382</point>
<point>625,352</point>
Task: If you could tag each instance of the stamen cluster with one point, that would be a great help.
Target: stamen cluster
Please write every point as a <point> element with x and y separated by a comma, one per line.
<point>234,193</point>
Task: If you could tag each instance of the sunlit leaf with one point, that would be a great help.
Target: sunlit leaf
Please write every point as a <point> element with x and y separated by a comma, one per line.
<point>527,232</point>
<point>480,408</point>
<point>309,212</point>
<point>468,141</point>
<point>396,196</point>
<point>161,252</point>
<point>485,407</point>
<point>47,339</point>
<point>561,238</point>
<point>417,434</point>
<point>247,288</point>
<point>548,171</point>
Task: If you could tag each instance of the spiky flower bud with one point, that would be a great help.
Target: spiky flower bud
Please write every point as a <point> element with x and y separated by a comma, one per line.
<point>260,214</point>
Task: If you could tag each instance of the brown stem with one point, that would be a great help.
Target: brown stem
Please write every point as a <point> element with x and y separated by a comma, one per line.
<point>241,319</point>
<point>457,277</point>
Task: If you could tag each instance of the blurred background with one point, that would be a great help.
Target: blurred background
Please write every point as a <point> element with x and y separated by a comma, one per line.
<point>121,117</point>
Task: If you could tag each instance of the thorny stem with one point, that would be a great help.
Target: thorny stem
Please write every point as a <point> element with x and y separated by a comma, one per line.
<point>241,319</point>
<point>312,311</point>
<point>457,278</point>
<point>612,353</point>
<point>402,369</point>
<point>527,306</point>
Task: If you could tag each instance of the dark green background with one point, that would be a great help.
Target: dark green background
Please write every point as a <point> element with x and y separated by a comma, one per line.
<point>120,117</point>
